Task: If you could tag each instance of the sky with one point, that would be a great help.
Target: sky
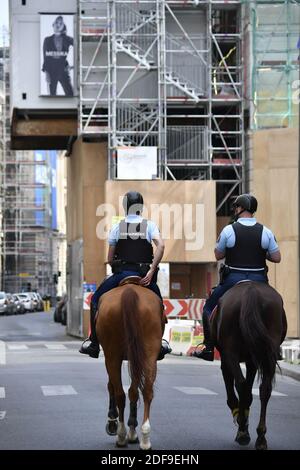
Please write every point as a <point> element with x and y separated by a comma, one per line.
<point>3,17</point>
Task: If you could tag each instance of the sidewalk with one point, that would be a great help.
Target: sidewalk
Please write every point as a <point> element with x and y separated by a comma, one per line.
<point>290,366</point>
<point>290,370</point>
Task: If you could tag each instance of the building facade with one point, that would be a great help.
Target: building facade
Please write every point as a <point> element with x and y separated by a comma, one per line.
<point>172,97</point>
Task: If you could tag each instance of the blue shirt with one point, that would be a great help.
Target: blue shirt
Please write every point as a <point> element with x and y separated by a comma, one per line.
<point>227,237</point>
<point>151,232</point>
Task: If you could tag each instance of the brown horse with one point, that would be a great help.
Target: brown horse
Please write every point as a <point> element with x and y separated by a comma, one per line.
<point>130,327</point>
<point>249,326</point>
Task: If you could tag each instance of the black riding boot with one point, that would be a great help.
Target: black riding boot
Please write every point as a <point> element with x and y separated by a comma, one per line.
<point>207,350</point>
<point>91,346</point>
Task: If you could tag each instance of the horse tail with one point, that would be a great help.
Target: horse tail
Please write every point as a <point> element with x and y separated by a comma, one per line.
<point>255,334</point>
<point>133,336</point>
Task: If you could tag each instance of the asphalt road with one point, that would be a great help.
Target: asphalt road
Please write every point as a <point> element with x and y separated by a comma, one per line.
<point>52,397</point>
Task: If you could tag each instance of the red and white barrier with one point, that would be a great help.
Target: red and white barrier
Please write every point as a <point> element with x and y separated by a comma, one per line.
<point>190,309</point>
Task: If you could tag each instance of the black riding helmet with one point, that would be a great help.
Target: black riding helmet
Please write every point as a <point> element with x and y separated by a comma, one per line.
<point>247,202</point>
<point>133,198</point>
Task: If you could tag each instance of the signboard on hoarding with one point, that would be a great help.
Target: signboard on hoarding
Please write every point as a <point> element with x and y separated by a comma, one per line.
<point>137,163</point>
<point>88,291</point>
<point>57,54</point>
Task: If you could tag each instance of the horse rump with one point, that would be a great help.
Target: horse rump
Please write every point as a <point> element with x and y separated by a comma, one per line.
<point>253,323</point>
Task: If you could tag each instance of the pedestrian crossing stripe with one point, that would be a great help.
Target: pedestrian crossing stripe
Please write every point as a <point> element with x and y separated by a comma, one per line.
<point>55,390</point>
<point>255,391</point>
<point>56,347</point>
<point>36,345</point>
<point>195,391</point>
<point>2,392</point>
<point>2,414</point>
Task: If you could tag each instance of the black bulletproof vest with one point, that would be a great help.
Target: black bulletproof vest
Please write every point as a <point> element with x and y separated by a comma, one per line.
<point>247,251</point>
<point>133,246</point>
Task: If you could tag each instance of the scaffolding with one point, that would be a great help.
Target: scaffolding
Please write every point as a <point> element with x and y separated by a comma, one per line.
<point>25,248</point>
<point>275,72</point>
<point>155,72</point>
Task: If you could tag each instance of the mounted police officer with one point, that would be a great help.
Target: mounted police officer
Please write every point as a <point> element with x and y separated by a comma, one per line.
<point>130,254</point>
<point>245,245</point>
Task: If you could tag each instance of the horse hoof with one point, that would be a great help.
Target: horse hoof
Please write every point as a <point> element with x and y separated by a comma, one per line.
<point>146,450</point>
<point>121,444</point>
<point>243,438</point>
<point>132,436</point>
<point>112,427</point>
<point>261,444</point>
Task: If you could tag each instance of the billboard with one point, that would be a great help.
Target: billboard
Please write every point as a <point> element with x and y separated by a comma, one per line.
<point>57,54</point>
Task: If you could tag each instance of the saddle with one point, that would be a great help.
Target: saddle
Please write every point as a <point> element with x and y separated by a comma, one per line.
<point>130,280</point>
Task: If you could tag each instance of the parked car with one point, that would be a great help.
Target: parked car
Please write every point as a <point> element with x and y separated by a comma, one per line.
<point>27,301</point>
<point>60,312</point>
<point>7,304</point>
<point>20,308</point>
<point>64,311</point>
<point>38,301</point>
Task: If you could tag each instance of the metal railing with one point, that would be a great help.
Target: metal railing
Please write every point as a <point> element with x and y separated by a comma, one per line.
<point>187,144</point>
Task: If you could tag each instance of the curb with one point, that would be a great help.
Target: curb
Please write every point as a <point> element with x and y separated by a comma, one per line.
<point>289,370</point>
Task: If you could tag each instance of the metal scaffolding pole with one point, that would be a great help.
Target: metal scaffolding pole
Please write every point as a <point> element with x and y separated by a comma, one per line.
<point>147,68</point>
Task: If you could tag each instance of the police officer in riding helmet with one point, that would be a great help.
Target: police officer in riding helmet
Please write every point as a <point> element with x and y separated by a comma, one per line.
<point>130,254</point>
<point>245,245</point>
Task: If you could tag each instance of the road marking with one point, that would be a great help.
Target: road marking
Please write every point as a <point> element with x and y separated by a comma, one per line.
<point>255,391</point>
<point>54,390</point>
<point>2,353</point>
<point>55,346</point>
<point>2,414</point>
<point>17,347</point>
<point>195,391</point>
<point>2,392</point>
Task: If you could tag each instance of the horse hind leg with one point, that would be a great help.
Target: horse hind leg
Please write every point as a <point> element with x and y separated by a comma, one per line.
<point>265,390</point>
<point>133,394</point>
<point>145,442</point>
<point>112,421</point>
<point>232,400</point>
<point>121,430</point>
<point>241,385</point>
<point>114,373</point>
<point>245,394</point>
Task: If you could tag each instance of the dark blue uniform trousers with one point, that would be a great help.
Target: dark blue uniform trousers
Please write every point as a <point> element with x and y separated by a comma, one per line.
<point>229,281</point>
<point>114,280</point>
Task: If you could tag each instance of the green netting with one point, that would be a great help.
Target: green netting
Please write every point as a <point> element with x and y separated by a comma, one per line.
<point>275,28</point>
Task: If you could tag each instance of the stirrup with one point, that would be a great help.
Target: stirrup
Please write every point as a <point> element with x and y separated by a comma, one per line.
<point>92,350</point>
<point>164,349</point>
<point>205,353</point>
<point>166,346</point>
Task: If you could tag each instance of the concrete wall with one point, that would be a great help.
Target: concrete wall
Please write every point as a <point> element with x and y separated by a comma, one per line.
<point>87,171</point>
<point>275,184</point>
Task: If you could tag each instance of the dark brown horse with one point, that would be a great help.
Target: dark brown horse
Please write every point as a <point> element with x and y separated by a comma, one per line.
<point>249,326</point>
<point>130,327</point>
